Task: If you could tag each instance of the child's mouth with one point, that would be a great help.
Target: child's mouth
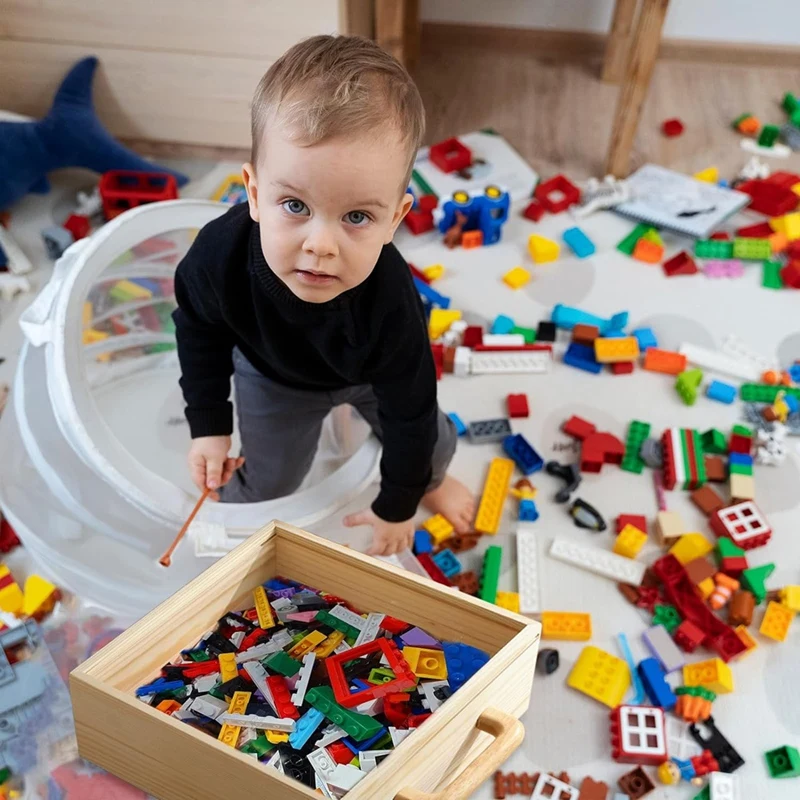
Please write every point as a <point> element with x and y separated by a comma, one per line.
<point>314,278</point>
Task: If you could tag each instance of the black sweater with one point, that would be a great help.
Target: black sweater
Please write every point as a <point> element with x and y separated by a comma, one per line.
<point>372,334</point>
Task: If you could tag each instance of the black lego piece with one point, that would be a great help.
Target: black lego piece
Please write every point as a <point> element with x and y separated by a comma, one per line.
<point>729,760</point>
<point>568,473</point>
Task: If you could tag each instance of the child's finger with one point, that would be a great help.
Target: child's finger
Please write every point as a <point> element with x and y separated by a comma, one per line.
<point>230,467</point>
<point>213,473</point>
<point>378,549</point>
<point>359,518</point>
<point>197,470</point>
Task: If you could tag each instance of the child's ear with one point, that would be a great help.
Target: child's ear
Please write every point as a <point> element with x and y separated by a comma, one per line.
<point>251,187</point>
<point>403,207</point>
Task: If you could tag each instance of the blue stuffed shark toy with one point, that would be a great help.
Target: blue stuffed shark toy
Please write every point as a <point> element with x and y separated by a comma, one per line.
<point>70,135</point>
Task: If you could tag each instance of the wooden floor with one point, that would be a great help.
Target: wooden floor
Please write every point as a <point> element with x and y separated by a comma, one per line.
<point>558,114</point>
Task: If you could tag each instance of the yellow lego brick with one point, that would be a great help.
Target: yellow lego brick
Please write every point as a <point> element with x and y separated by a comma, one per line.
<point>87,314</point>
<point>600,675</point>
<point>508,600</point>
<point>307,644</point>
<point>669,527</point>
<point>517,277</point>
<point>425,663</point>
<point>229,734</point>
<point>277,737</point>
<point>788,224</point>
<point>749,642</point>
<point>90,336</point>
<point>330,644</point>
<point>439,528</point>
<point>494,494</point>
<point>708,175</point>
<point>39,597</point>
<point>263,608</point>
<point>133,290</point>
<point>542,249</point>
<point>796,189</point>
<point>566,626</point>
<point>630,540</point>
<point>440,320</point>
<point>777,621</point>
<point>706,588</point>
<point>691,546</point>
<point>228,670</point>
<point>743,487</point>
<point>11,597</point>
<point>713,674</point>
<point>790,597</point>
<point>433,272</point>
<point>610,351</point>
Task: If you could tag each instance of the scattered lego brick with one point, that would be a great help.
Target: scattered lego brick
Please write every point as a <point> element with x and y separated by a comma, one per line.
<point>600,675</point>
<point>517,405</point>
<point>707,500</point>
<point>672,127</point>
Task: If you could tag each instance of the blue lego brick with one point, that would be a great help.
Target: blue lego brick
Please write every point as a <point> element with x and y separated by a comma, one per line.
<point>721,392</point>
<point>502,324</point>
<point>655,684</point>
<point>794,373</point>
<point>582,357</point>
<point>463,661</point>
<point>304,728</point>
<point>579,242</point>
<point>486,212</point>
<point>360,685</point>
<point>519,449</point>
<point>158,686</point>
<point>645,337</point>
<point>274,585</point>
<point>431,295</point>
<point>568,317</point>
<point>740,459</point>
<point>527,511</point>
<point>422,542</point>
<point>792,403</point>
<point>461,428</point>
<point>149,284</point>
<point>447,562</point>
<point>357,747</point>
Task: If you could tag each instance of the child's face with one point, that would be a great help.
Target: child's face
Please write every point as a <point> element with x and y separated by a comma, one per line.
<point>327,209</point>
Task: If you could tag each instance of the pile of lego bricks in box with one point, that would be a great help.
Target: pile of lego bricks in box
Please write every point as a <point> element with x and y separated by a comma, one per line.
<point>309,686</point>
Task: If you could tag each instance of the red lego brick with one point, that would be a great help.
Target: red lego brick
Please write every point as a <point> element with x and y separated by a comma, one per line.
<point>720,236</point>
<point>396,709</point>
<point>743,523</point>
<point>704,763</point>
<point>599,449</point>
<point>760,231</point>
<point>784,179</point>
<point>734,565</point>
<point>769,198</point>
<point>283,697</point>
<point>123,189</point>
<point>427,202</point>
<point>419,222</point>
<point>681,264</point>
<point>450,155</point>
<point>622,367</point>
<point>793,250</point>
<point>577,427</point>
<point>473,335</point>
<point>557,194</point>
<point>78,225</point>
<point>431,567</point>
<point>672,127</point>
<point>688,636</point>
<point>340,752</point>
<point>790,274</point>
<point>517,405</point>
<point>393,625</point>
<point>419,274</point>
<point>534,211</point>
<point>8,538</point>
<point>637,520</point>
<point>638,735</point>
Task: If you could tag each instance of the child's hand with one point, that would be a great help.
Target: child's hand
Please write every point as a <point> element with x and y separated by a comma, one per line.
<point>387,537</point>
<point>209,464</point>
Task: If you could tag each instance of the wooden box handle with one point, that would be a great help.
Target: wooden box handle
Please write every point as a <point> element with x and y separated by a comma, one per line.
<point>508,732</point>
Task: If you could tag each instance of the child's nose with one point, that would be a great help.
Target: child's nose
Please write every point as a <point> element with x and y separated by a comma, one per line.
<point>321,242</point>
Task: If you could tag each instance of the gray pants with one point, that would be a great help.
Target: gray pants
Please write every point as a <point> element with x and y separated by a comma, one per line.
<point>280,429</point>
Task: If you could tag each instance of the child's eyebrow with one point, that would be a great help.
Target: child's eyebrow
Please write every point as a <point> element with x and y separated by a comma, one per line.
<point>363,204</point>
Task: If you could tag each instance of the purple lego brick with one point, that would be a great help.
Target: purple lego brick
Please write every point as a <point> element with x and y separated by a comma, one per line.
<point>418,638</point>
<point>728,268</point>
<point>663,647</point>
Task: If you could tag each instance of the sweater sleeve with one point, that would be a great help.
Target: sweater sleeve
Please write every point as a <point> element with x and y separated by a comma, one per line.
<point>407,410</point>
<point>205,351</point>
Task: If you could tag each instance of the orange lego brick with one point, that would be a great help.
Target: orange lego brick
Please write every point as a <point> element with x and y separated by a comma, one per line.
<point>611,351</point>
<point>494,494</point>
<point>566,626</point>
<point>666,361</point>
<point>777,621</point>
<point>647,251</point>
<point>749,642</point>
<point>470,239</point>
<point>600,675</point>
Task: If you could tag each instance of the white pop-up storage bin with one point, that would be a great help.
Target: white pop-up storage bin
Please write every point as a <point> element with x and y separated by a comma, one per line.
<point>93,476</point>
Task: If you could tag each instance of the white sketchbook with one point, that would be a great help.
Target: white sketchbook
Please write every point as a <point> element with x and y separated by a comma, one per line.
<point>667,199</point>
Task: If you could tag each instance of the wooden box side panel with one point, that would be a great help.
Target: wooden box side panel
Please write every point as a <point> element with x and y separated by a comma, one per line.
<point>164,757</point>
<point>136,655</point>
<point>444,613</point>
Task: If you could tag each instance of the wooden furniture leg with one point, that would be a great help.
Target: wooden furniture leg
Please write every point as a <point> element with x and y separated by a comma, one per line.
<point>644,51</point>
<point>397,29</point>
<point>619,40</point>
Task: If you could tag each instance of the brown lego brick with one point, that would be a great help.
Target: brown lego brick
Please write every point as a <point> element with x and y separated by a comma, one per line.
<point>650,579</point>
<point>459,542</point>
<point>591,789</point>
<point>630,593</point>
<point>715,469</point>
<point>585,334</point>
<point>448,359</point>
<point>509,783</point>
<point>467,582</point>
<point>741,608</point>
<point>769,414</point>
<point>707,500</point>
<point>699,569</point>
<point>636,783</point>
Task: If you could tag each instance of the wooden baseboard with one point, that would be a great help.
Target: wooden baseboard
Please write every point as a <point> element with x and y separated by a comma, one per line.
<point>581,45</point>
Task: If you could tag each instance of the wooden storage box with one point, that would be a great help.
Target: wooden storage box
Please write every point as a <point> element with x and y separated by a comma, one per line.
<point>173,761</point>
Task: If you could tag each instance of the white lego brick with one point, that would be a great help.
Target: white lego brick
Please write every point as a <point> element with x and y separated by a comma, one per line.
<point>677,461</point>
<point>346,776</point>
<point>258,652</point>
<point>528,584</point>
<point>663,647</point>
<point>596,195</point>
<point>733,346</point>
<point>777,150</point>
<point>723,786</point>
<point>322,763</point>
<point>371,629</point>
<point>275,761</point>
<point>503,339</point>
<point>503,363</point>
<point>205,683</point>
<point>209,706</point>
<point>548,787</point>
<point>323,787</point>
<point>642,731</point>
<point>184,713</point>
<point>259,677</point>
<point>342,647</point>
<point>303,679</point>
<point>369,759</point>
<point>461,362</point>
<point>408,561</point>
<point>601,562</point>
<point>330,734</point>
<point>284,725</point>
<point>350,617</point>
<point>431,701</point>
<point>370,708</point>
<point>680,743</point>
<point>281,603</point>
<point>237,638</point>
<point>398,734</point>
<point>719,362</point>
<point>246,735</point>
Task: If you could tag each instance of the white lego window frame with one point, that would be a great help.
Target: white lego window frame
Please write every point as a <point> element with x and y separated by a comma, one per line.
<point>642,731</point>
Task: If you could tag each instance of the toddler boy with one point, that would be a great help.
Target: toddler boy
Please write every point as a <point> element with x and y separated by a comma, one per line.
<point>302,297</point>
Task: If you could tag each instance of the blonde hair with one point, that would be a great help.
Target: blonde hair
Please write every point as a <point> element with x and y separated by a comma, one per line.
<point>325,86</point>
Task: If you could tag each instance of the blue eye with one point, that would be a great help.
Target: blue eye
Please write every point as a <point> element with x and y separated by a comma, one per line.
<point>358,218</point>
<point>296,207</point>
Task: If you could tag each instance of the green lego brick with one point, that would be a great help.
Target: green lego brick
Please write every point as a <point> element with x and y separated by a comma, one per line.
<point>687,463</point>
<point>283,663</point>
<point>490,576</point>
<point>727,549</point>
<point>326,618</point>
<point>713,248</point>
<point>637,433</point>
<point>764,393</point>
<point>714,442</point>
<point>652,235</point>
<point>528,333</point>
<point>687,384</point>
<point>740,469</point>
<point>380,675</point>
<point>422,184</point>
<point>700,462</point>
<point>359,726</point>
<point>783,762</point>
<point>5,775</point>
<point>752,249</point>
<point>754,580</point>
<point>666,615</point>
<point>742,430</point>
<point>697,691</point>
<point>790,103</point>
<point>628,244</point>
<point>771,277</point>
<point>704,793</point>
<point>164,311</point>
<point>769,135</point>
<point>258,747</point>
